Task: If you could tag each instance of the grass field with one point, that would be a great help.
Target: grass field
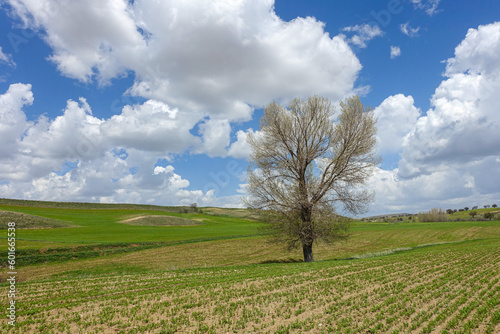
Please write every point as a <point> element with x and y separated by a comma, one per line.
<point>214,273</point>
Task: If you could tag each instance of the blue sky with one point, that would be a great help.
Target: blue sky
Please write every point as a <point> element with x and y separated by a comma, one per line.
<point>147,102</point>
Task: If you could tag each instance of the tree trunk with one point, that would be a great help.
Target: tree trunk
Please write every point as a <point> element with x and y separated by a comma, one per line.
<point>308,253</point>
<point>307,234</point>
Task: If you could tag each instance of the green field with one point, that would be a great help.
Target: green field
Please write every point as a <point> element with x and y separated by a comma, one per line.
<point>165,271</point>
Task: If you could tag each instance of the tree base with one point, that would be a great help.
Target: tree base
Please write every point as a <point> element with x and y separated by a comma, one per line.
<point>308,253</point>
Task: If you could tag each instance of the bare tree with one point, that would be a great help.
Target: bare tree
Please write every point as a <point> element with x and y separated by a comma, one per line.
<point>305,162</point>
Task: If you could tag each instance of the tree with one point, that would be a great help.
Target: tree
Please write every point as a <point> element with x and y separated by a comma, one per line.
<point>488,215</point>
<point>473,213</point>
<point>304,163</point>
<point>494,206</point>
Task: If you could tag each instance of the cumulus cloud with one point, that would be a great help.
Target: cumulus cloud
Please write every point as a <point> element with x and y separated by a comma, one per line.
<point>13,121</point>
<point>215,137</point>
<point>79,157</point>
<point>363,34</point>
<point>217,58</point>
<point>240,149</point>
<point>88,38</point>
<point>461,127</point>
<point>395,51</point>
<point>449,156</point>
<point>477,53</point>
<point>396,117</point>
<point>151,126</point>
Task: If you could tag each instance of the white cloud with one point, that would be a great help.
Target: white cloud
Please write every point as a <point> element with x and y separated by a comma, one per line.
<point>13,121</point>
<point>88,38</point>
<point>215,137</point>
<point>216,58</point>
<point>151,126</point>
<point>450,156</point>
<point>478,52</point>
<point>240,149</point>
<point>462,126</point>
<point>396,117</point>
<point>395,51</point>
<point>6,58</point>
<point>78,157</point>
<point>429,6</point>
<point>408,30</point>
<point>363,34</point>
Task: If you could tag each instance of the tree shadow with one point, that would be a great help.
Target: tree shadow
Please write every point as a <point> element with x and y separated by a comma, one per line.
<point>289,260</point>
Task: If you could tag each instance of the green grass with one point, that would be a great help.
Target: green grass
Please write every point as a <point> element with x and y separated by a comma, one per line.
<point>102,226</point>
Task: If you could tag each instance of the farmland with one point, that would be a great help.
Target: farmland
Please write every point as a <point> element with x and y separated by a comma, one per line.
<point>214,273</point>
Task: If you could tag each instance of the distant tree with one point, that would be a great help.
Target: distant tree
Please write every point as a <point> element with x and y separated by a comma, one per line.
<point>486,206</point>
<point>305,162</point>
<point>466,208</point>
<point>474,207</point>
<point>473,213</point>
<point>460,210</point>
<point>449,211</point>
<point>494,206</point>
<point>488,215</point>
<point>193,205</point>
<point>434,215</point>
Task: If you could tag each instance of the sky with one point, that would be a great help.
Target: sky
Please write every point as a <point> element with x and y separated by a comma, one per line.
<point>151,101</point>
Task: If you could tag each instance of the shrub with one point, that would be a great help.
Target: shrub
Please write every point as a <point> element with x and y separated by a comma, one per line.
<point>434,215</point>
<point>488,215</point>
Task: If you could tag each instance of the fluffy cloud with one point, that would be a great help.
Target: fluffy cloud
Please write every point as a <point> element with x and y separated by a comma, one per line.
<point>217,58</point>
<point>449,156</point>
<point>396,117</point>
<point>240,149</point>
<point>395,51</point>
<point>462,126</point>
<point>363,33</point>
<point>151,126</point>
<point>12,119</point>
<point>215,136</point>
<point>87,37</point>
<point>78,157</point>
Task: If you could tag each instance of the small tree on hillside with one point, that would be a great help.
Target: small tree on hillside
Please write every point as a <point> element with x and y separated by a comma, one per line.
<point>488,215</point>
<point>304,163</point>
<point>473,213</point>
